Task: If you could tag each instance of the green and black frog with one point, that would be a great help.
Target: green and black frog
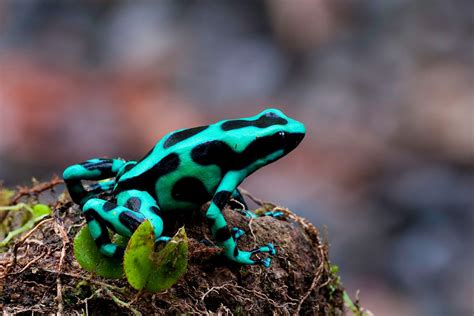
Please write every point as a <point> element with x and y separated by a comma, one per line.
<point>184,170</point>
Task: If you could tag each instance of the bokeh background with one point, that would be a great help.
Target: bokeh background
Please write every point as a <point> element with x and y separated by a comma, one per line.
<point>385,89</point>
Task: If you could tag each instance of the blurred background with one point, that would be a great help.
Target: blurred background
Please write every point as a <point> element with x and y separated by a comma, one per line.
<point>385,89</point>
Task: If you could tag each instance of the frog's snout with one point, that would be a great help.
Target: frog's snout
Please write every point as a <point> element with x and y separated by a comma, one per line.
<point>292,140</point>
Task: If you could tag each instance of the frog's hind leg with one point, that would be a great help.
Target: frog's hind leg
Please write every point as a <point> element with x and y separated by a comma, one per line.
<point>143,203</point>
<point>101,214</point>
<point>100,234</point>
<point>101,186</point>
<point>93,169</point>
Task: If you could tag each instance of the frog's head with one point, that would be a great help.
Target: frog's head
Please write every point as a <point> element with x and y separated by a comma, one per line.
<point>269,135</point>
<point>280,131</point>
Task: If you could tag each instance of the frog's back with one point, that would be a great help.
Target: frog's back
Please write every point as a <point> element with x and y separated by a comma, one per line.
<point>185,167</point>
<point>169,173</point>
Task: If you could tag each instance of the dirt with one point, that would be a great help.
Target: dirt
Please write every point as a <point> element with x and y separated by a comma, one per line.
<point>39,273</point>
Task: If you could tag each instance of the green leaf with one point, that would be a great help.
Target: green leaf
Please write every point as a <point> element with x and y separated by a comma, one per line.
<point>137,262</point>
<point>40,210</point>
<point>5,196</point>
<point>169,264</point>
<point>92,260</point>
<point>155,271</point>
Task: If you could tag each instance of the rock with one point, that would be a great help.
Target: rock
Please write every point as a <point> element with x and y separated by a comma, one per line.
<point>299,279</point>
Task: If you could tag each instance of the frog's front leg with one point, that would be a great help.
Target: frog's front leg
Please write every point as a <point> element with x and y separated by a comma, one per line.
<point>221,232</point>
<point>93,169</point>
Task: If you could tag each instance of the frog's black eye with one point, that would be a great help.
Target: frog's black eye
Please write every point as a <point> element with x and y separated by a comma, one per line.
<point>271,115</point>
<point>282,135</point>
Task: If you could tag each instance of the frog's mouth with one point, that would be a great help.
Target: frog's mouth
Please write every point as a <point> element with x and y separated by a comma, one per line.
<point>292,140</point>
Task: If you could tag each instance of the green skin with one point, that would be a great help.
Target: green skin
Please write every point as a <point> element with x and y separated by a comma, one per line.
<point>185,169</point>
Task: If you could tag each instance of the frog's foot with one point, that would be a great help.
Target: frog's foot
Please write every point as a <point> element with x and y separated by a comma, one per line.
<point>250,214</point>
<point>275,214</point>
<point>162,240</point>
<point>111,250</point>
<point>237,233</point>
<point>245,257</point>
<point>247,213</point>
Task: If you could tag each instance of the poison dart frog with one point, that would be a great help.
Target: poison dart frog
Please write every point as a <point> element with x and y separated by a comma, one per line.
<point>184,170</point>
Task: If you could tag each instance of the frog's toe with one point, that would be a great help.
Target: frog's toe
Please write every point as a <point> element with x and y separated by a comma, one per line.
<point>269,248</point>
<point>162,240</point>
<point>266,262</point>
<point>237,233</point>
<point>247,213</point>
<point>246,257</point>
<point>274,214</point>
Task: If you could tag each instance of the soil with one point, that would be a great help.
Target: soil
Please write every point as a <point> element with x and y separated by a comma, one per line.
<point>39,274</point>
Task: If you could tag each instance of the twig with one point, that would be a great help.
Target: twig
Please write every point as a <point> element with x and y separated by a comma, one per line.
<point>36,189</point>
<point>86,300</point>
<point>214,288</point>
<point>250,196</point>
<point>252,233</point>
<point>21,241</point>
<point>88,279</point>
<point>33,261</point>
<point>256,293</point>
<point>121,303</point>
<point>65,240</point>
<point>305,296</point>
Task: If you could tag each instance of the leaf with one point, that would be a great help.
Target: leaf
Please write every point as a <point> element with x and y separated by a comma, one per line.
<point>137,262</point>
<point>155,271</point>
<point>40,211</point>
<point>90,259</point>
<point>5,196</point>
<point>169,264</point>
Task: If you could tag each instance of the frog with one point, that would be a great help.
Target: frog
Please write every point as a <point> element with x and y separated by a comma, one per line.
<point>186,169</point>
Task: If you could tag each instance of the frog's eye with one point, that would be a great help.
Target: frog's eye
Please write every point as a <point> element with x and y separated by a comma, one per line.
<point>271,115</point>
<point>282,135</point>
